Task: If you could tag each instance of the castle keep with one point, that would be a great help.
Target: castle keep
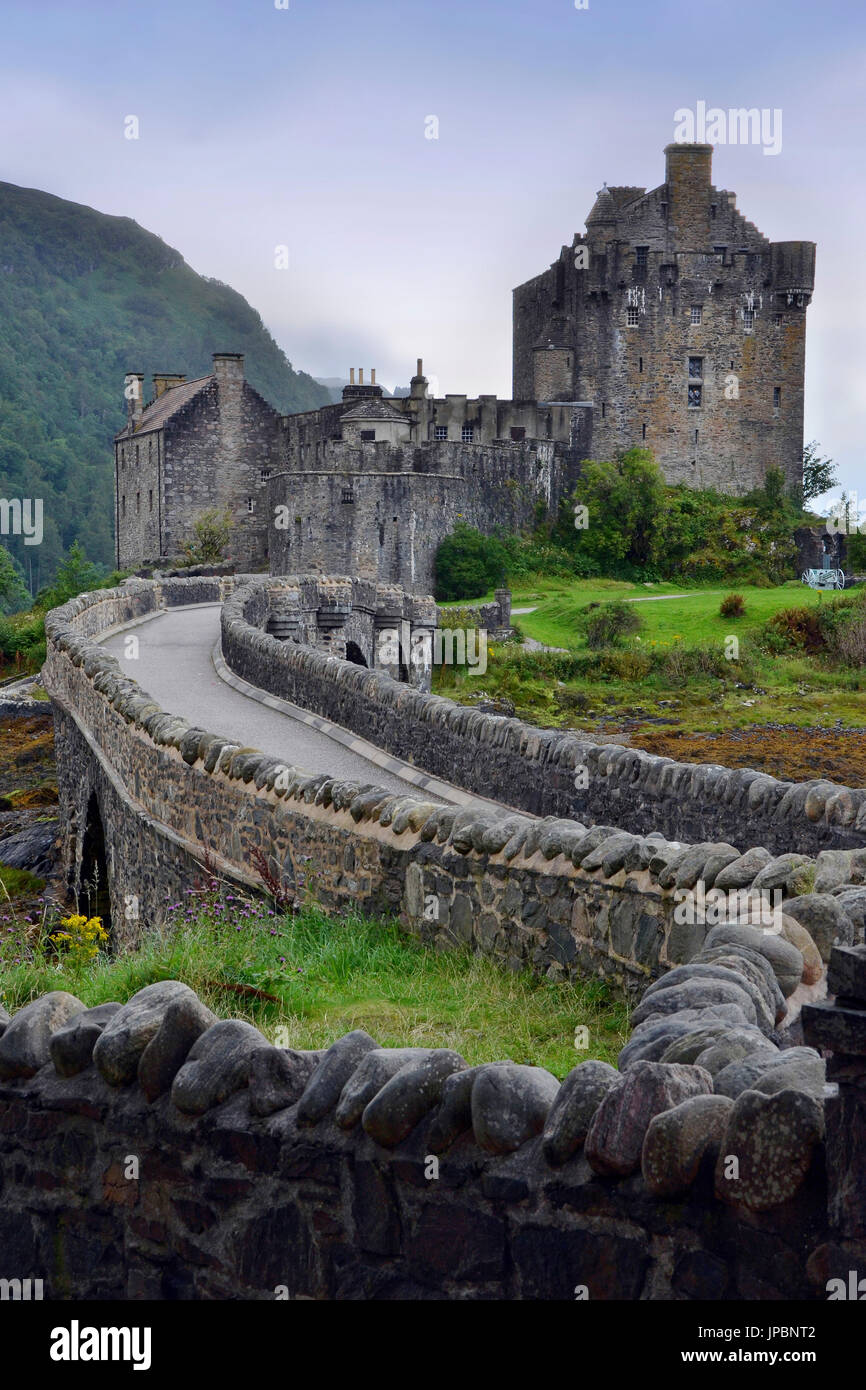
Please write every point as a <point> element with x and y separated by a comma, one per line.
<point>672,324</point>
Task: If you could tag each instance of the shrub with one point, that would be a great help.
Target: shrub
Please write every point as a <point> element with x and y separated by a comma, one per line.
<point>627,666</point>
<point>468,564</point>
<point>210,537</point>
<point>732,606</point>
<point>608,625</point>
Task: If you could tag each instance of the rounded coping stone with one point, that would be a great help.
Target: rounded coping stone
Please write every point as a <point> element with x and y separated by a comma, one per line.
<point>772,1138</point>
<point>615,1140</point>
<point>71,1047</point>
<point>742,1075</point>
<point>693,993</point>
<point>403,1101</point>
<point>678,1141</point>
<point>323,1090</point>
<point>374,1069</point>
<point>278,1076</point>
<point>119,1047</point>
<point>454,1114</point>
<point>182,1025</point>
<point>569,1118</point>
<point>510,1104</point>
<point>25,1044</point>
<point>217,1066</point>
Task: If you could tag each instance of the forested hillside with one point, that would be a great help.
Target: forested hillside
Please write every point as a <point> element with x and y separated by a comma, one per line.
<point>85,298</point>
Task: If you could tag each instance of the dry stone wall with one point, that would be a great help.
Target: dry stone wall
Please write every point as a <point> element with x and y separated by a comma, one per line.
<point>149,1150</point>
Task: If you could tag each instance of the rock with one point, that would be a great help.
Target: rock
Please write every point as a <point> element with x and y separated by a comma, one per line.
<point>374,1069</point>
<point>615,1140</point>
<point>184,1021</point>
<point>794,873</point>
<point>719,858</point>
<point>278,1076</point>
<point>793,1074</point>
<point>119,1047</point>
<point>454,1115</point>
<point>715,970</point>
<point>71,1047</point>
<point>772,1138</point>
<point>824,919</point>
<point>846,976</point>
<point>678,1140</point>
<point>839,1027</point>
<point>741,873</point>
<point>404,1100</point>
<point>510,1105</point>
<point>794,932</point>
<point>570,1116</point>
<point>34,848</point>
<point>25,1044</point>
<point>218,1065</point>
<point>741,1076</point>
<point>690,1045</point>
<point>736,1044</point>
<point>853,902</point>
<point>695,994</point>
<point>650,1039</point>
<point>5,1020</point>
<point>323,1090</point>
<point>751,964</point>
<point>786,960</point>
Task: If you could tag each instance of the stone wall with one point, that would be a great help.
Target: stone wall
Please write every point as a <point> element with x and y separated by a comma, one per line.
<point>167,800</point>
<point>547,772</point>
<point>152,1151</point>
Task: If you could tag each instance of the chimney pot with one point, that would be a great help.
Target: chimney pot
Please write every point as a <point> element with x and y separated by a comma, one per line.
<point>420,371</point>
<point>373,376</point>
<point>360,376</point>
<point>351,376</point>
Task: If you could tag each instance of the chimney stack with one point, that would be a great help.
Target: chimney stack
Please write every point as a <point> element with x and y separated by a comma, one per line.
<point>163,381</point>
<point>688,175</point>
<point>228,369</point>
<point>360,376</point>
<point>133,390</point>
<point>372,376</point>
<point>351,376</point>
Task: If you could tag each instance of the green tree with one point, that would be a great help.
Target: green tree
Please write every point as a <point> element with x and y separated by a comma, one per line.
<point>819,474</point>
<point>624,503</point>
<point>468,564</point>
<point>75,575</point>
<point>14,596</point>
<point>211,531</point>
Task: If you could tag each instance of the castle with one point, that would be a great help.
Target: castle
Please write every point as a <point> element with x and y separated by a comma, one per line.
<point>672,324</point>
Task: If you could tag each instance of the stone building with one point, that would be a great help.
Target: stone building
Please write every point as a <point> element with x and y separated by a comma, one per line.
<point>672,324</point>
<point>208,443</point>
<point>682,324</point>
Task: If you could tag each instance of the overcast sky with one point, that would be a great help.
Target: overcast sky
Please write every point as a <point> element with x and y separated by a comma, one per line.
<point>306,127</point>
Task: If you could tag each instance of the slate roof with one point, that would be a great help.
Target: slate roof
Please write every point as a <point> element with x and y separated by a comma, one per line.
<point>169,403</point>
<point>373,409</point>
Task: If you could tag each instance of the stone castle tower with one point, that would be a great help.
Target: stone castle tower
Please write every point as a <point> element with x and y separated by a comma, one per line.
<point>681,324</point>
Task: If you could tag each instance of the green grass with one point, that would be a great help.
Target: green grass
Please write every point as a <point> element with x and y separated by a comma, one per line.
<point>319,977</point>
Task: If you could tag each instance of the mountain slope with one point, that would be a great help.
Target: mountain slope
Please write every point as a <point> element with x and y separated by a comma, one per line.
<point>84,298</point>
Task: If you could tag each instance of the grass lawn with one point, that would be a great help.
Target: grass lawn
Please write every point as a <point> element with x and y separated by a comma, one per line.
<point>614,695</point>
<point>318,977</point>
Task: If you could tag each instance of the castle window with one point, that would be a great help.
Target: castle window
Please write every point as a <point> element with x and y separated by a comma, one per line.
<point>696,367</point>
<point>640,256</point>
<point>632,316</point>
<point>777,397</point>
<point>713,209</point>
<point>136,455</point>
<point>150,498</point>
<point>266,473</point>
<point>697,313</point>
<point>697,432</point>
<point>640,364</point>
<point>137,503</point>
<point>368,436</point>
<point>518,432</point>
<point>440,432</point>
<point>720,251</point>
<point>251,506</point>
<point>643,431</point>
<point>123,506</point>
<point>695,395</point>
<point>603,409</point>
<point>748,319</point>
<point>467,434</point>
<point>663,209</point>
<point>777,320</point>
<point>347,495</point>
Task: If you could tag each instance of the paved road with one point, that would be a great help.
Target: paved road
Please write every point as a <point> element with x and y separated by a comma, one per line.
<point>174,665</point>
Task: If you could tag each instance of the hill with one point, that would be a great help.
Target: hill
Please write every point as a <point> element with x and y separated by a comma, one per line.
<point>84,298</point>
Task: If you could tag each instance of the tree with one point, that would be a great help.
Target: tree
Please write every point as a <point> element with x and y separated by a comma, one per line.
<point>211,531</point>
<point>624,503</point>
<point>819,474</point>
<point>468,564</point>
<point>75,575</point>
<point>14,596</point>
